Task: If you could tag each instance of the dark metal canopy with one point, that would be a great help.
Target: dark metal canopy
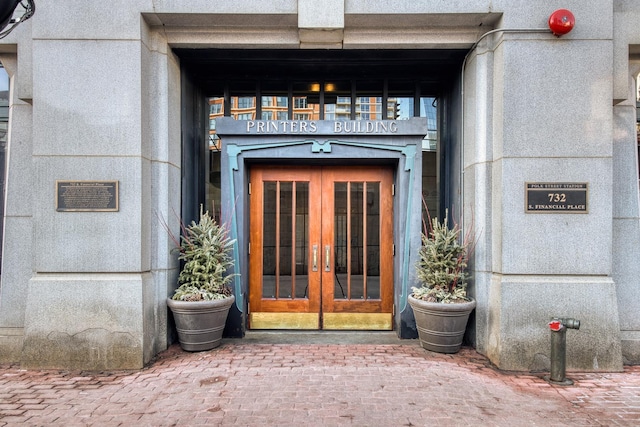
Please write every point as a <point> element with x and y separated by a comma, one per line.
<point>212,68</point>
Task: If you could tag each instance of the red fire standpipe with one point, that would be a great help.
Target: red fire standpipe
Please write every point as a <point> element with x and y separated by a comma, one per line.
<point>559,349</point>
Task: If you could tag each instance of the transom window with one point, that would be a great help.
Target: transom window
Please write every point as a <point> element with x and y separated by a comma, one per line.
<point>385,99</point>
<point>342,100</point>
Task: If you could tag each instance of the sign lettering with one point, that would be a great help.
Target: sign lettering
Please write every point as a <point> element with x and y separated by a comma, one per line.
<point>311,126</point>
<point>87,196</point>
<point>559,197</point>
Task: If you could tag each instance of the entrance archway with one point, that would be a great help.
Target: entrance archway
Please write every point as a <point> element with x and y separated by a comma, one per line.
<point>368,108</point>
<point>389,158</point>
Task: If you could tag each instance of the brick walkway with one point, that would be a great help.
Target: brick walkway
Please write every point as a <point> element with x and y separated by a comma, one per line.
<point>247,384</point>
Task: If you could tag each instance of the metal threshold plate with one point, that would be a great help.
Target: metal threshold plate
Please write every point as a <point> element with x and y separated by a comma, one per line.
<point>330,321</point>
<point>357,321</point>
<point>264,320</point>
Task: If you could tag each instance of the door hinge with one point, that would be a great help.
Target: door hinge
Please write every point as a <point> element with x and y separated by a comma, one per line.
<point>249,188</point>
<point>249,249</point>
<point>394,249</point>
<point>393,310</point>
<point>393,190</point>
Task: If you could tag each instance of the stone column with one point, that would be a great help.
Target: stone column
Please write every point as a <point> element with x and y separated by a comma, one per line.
<point>18,221</point>
<point>626,219</point>
<point>96,297</point>
<point>550,122</point>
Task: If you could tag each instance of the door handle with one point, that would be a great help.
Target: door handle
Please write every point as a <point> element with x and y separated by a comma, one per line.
<point>314,258</point>
<point>327,258</point>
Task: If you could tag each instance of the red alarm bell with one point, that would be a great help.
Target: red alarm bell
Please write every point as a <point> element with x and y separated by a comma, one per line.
<point>561,22</point>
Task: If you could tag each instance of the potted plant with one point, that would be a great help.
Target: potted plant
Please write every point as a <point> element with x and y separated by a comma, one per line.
<point>201,303</point>
<point>440,304</point>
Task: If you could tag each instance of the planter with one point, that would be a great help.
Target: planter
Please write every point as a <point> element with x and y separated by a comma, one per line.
<point>200,323</point>
<point>441,326</point>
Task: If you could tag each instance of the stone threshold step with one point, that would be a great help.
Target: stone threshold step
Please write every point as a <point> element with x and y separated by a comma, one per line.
<point>324,337</point>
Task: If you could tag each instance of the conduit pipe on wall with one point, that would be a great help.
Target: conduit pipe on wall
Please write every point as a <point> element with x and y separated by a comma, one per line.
<point>464,64</point>
<point>560,22</point>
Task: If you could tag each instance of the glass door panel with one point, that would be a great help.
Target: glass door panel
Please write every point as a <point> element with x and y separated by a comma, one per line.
<point>285,244</point>
<point>372,243</point>
<point>357,240</point>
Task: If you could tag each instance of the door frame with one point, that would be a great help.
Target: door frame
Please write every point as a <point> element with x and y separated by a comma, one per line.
<point>244,143</point>
<point>321,310</point>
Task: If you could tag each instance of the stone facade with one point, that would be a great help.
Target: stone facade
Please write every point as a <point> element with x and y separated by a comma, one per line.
<point>96,95</point>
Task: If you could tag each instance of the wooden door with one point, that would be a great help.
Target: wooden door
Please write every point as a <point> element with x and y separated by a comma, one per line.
<point>321,248</point>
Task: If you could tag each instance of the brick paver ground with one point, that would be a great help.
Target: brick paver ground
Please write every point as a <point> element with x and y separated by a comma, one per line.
<point>248,384</point>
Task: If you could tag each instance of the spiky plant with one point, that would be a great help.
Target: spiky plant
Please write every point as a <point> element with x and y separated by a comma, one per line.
<point>442,266</point>
<point>205,249</point>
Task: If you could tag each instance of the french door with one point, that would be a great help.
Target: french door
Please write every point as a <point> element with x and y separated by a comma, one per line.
<point>321,248</point>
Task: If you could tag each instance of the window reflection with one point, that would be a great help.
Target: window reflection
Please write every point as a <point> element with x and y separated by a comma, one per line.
<point>337,100</point>
<point>244,102</point>
<point>369,101</point>
<point>315,100</point>
<point>428,109</point>
<point>402,108</point>
<point>275,108</point>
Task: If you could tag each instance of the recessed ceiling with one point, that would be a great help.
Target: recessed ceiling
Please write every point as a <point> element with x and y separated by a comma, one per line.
<point>210,67</point>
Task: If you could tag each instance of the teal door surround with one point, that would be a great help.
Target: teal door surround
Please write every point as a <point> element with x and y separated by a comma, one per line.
<point>325,142</point>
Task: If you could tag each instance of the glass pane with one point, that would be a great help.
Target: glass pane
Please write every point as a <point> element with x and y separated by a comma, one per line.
<point>400,103</point>
<point>302,240</point>
<point>340,244</point>
<point>280,279</point>
<point>269,241</point>
<point>368,108</point>
<point>400,108</point>
<point>357,278</point>
<point>243,107</point>
<point>305,109</point>
<point>373,240</point>
<point>216,110</point>
<point>306,101</point>
<point>214,194</point>
<point>216,107</point>
<point>429,186</point>
<point>275,107</point>
<point>285,252</point>
<point>337,100</point>
<point>369,100</point>
<point>428,109</point>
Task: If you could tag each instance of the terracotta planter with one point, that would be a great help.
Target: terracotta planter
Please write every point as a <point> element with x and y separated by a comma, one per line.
<point>200,323</point>
<point>441,326</point>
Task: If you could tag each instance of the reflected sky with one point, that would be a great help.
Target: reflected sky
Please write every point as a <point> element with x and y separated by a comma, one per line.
<point>4,80</point>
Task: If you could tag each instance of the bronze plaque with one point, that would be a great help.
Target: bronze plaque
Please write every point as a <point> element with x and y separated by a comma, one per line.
<point>556,197</point>
<point>87,196</point>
